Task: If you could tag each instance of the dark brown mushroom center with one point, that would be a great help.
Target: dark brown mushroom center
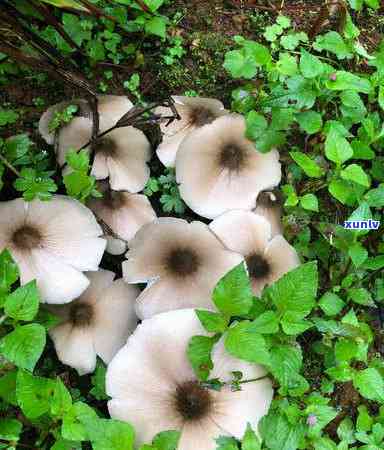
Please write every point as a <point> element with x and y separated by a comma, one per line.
<point>27,237</point>
<point>201,117</point>
<point>232,157</point>
<point>192,401</point>
<point>81,314</point>
<point>258,266</point>
<point>113,199</point>
<point>106,145</point>
<point>182,262</point>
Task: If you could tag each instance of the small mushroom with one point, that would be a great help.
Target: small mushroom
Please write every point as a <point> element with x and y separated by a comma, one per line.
<point>97,323</point>
<point>123,213</point>
<point>53,242</point>
<point>249,234</point>
<point>194,112</point>
<point>269,205</point>
<point>219,169</point>
<point>180,261</point>
<point>154,388</point>
<point>110,108</point>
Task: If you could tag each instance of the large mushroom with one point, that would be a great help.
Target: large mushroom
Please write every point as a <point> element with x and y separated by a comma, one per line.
<point>219,169</point>
<point>121,154</point>
<point>97,323</point>
<point>180,261</point>
<point>194,113</point>
<point>154,388</point>
<point>249,234</point>
<point>123,213</point>
<point>53,242</point>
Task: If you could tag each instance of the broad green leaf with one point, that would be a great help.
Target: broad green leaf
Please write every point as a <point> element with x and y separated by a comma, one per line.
<point>301,90</point>
<point>343,192</point>
<point>212,322</point>
<point>266,323</point>
<point>256,125</point>
<point>279,434</point>
<point>331,304</point>
<point>309,202</point>
<point>374,263</point>
<point>375,197</point>
<point>34,394</point>
<point>345,349</point>
<point>250,440</point>
<point>310,65</point>
<point>61,401</point>
<point>110,434</point>
<point>296,290</point>
<point>23,303</point>
<point>310,121</point>
<point>9,273</point>
<point>334,43</point>
<point>199,355</point>
<point>292,324</point>
<point>10,429</point>
<point>370,384</point>
<point>233,294</point>
<point>98,382</point>
<point>153,5</point>
<point>287,64</point>
<point>283,21</point>
<point>8,116</point>
<point>244,343</point>
<point>226,443</point>
<point>66,4</point>
<point>156,25</point>
<point>307,164</point>
<point>240,65</point>
<point>361,296</point>
<point>358,254</point>
<point>8,387</point>
<point>24,345</point>
<point>341,81</point>
<point>337,148</point>
<point>166,440</point>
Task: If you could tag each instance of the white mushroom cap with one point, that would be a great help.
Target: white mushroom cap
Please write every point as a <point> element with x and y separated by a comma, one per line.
<point>194,112</point>
<point>124,213</point>
<point>52,242</point>
<point>110,107</point>
<point>269,205</point>
<point>181,261</point>
<point>219,169</point>
<point>97,323</point>
<point>154,388</point>
<point>250,235</point>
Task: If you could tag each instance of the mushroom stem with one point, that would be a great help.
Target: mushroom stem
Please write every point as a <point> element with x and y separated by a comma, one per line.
<point>9,165</point>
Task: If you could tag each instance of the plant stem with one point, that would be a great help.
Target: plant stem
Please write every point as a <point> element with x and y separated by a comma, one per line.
<point>9,165</point>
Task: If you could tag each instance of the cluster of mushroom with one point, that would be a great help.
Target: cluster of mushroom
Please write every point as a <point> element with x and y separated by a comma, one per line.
<point>60,244</point>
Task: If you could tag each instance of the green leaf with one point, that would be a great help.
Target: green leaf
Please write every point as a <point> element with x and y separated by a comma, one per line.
<point>361,296</point>
<point>98,382</point>
<point>343,191</point>
<point>8,116</point>
<point>212,322</point>
<point>345,349</point>
<point>310,65</point>
<point>266,323</point>
<point>334,43</point>
<point>287,64</point>
<point>279,434</point>
<point>243,63</point>
<point>374,263</point>
<point>66,4</point>
<point>256,125</point>
<point>16,147</point>
<point>244,343</point>
<point>166,440</point>
<point>292,324</point>
<point>9,272</point>
<point>296,290</point>
<point>154,5</point>
<point>331,304</point>
<point>301,90</point>
<point>233,294</point>
<point>309,202</point>
<point>310,121</point>
<point>272,32</point>
<point>199,355</point>
<point>341,81</point>
<point>250,440</point>
<point>24,345</point>
<point>8,387</point>
<point>283,21</point>
<point>375,197</point>
<point>110,434</point>
<point>226,443</point>
<point>364,420</point>
<point>10,430</point>
<point>337,148</point>
<point>350,29</point>
<point>370,384</point>
<point>358,254</point>
<point>156,25</point>
<point>23,303</point>
<point>34,185</point>
<point>61,401</point>
<point>307,164</point>
<point>34,394</point>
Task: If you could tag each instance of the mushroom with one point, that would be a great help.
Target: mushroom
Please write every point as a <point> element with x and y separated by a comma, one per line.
<point>249,234</point>
<point>180,261</point>
<point>154,388</point>
<point>121,154</point>
<point>52,242</point>
<point>97,323</point>
<point>123,213</point>
<point>194,112</point>
<point>110,108</point>
<point>269,205</point>
<point>219,169</point>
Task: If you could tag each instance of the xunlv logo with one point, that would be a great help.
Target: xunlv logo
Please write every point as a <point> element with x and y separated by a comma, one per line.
<point>362,224</point>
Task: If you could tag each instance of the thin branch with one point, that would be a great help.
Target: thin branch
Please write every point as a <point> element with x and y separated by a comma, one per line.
<point>9,165</point>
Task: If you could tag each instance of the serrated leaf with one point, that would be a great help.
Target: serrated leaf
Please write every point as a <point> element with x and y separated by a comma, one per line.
<point>212,322</point>
<point>310,65</point>
<point>370,384</point>
<point>199,355</point>
<point>337,148</point>
<point>307,164</point>
<point>23,303</point>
